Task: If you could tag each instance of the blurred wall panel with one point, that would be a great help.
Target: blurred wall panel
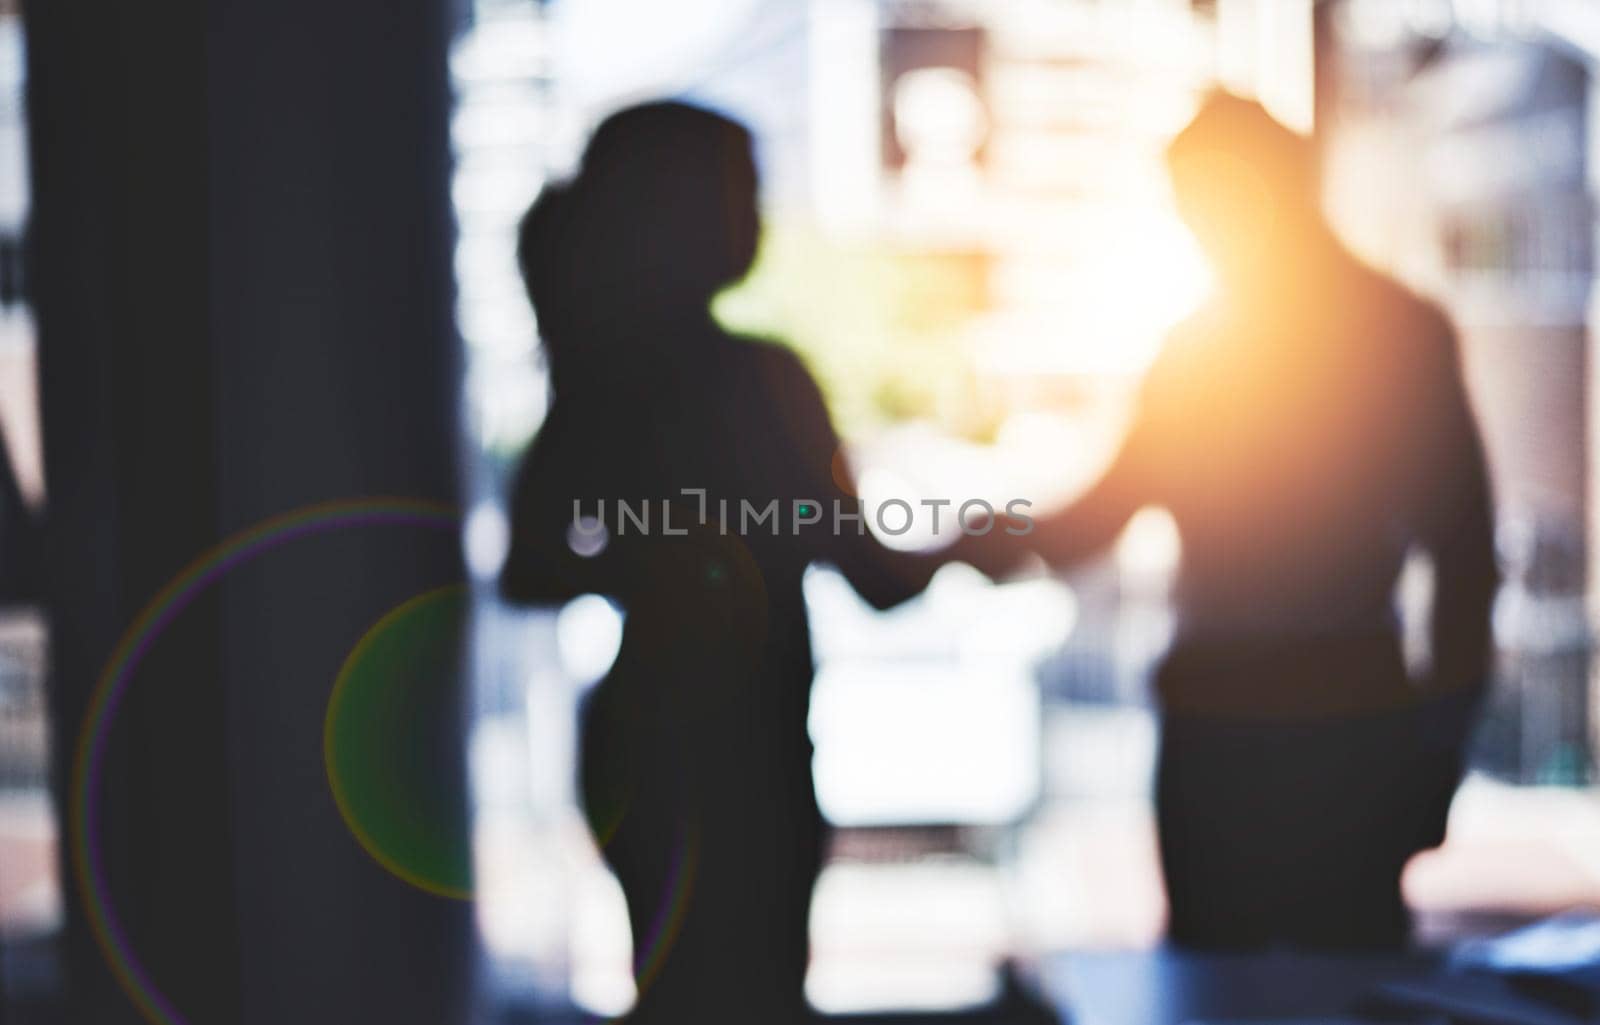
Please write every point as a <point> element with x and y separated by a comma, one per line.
<point>336,379</point>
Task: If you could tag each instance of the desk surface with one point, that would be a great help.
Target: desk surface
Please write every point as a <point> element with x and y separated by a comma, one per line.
<point>1169,987</point>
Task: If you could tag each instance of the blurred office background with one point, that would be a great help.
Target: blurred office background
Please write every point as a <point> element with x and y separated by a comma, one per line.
<point>971,240</point>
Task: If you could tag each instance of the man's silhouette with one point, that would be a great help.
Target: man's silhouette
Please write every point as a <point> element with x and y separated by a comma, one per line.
<point>696,765</point>
<point>1306,430</point>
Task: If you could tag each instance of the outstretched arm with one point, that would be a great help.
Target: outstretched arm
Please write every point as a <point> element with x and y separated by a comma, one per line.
<point>1068,536</point>
<point>1090,525</point>
<point>882,576</point>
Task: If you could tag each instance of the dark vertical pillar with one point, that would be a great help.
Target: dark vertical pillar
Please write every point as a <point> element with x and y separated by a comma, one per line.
<point>242,286</point>
<point>117,112</point>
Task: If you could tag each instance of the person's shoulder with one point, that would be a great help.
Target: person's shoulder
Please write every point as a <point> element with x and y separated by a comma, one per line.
<point>1435,324</point>
<point>767,353</point>
<point>1420,327</point>
<point>1192,335</point>
<point>1188,349</point>
<point>1397,308</point>
<point>779,380</point>
<point>773,366</point>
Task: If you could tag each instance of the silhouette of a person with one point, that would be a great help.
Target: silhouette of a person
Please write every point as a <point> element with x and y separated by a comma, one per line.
<point>1306,430</point>
<point>695,763</point>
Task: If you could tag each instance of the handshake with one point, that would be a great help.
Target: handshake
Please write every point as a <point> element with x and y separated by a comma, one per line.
<point>997,544</point>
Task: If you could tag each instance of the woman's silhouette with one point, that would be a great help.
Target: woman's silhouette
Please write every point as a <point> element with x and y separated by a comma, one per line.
<point>696,767</point>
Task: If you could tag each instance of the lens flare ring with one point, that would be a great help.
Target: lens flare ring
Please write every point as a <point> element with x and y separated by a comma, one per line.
<point>83,820</point>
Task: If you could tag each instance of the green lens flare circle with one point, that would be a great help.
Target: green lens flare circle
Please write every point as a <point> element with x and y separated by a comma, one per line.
<point>376,737</point>
<point>380,748</point>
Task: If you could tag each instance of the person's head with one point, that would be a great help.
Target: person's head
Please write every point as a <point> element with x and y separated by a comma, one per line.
<point>660,216</point>
<point>1245,185</point>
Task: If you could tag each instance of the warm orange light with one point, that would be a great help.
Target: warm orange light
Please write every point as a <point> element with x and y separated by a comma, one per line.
<point>1144,275</point>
